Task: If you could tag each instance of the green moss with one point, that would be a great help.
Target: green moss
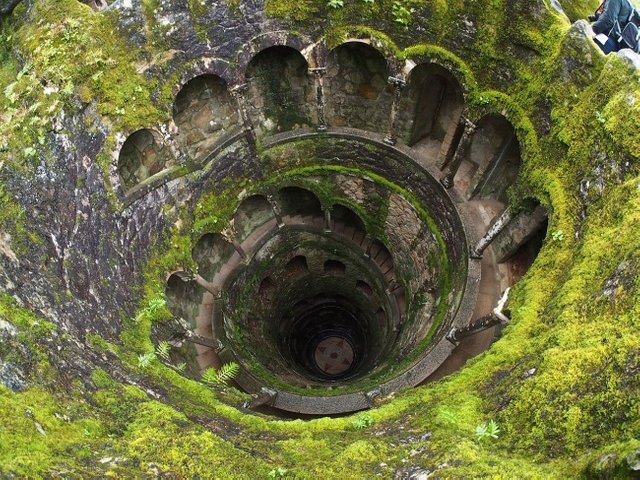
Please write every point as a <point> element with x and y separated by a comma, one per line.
<point>576,10</point>
<point>36,438</point>
<point>23,318</point>
<point>69,52</point>
<point>299,11</point>
<point>581,402</point>
<point>198,10</point>
<point>12,223</point>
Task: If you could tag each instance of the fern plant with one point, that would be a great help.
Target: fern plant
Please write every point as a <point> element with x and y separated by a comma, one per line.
<point>225,374</point>
<point>362,421</point>
<point>163,349</point>
<point>154,306</point>
<point>487,430</point>
<point>145,359</point>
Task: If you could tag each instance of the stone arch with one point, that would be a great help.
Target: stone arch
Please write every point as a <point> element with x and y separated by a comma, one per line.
<point>210,253</point>
<point>297,266</point>
<point>205,66</point>
<point>296,201</point>
<point>357,92</point>
<point>334,267</point>
<point>343,216</point>
<point>143,154</point>
<point>455,66</point>
<point>382,43</point>
<point>203,112</point>
<point>253,212</point>
<point>492,162</point>
<point>183,297</point>
<point>266,40</point>
<point>431,108</point>
<point>280,92</point>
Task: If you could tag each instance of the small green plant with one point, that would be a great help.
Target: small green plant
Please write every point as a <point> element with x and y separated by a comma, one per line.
<point>163,349</point>
<point>335,3</point>
<point>145,359</point>
<point>227,372</point>
<point>400,13</point>
<point>279,472</point>
<point>558,236</point>
<point>151,309</point>
<point>487,430</point>
<point>422,299</point>
<point>448,416</point>
<point>362,421</point>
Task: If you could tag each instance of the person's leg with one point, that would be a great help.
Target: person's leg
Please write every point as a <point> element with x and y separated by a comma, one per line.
<point>610,45</point>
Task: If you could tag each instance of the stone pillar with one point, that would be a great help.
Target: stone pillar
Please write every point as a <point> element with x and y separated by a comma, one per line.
<point>206,285</point>
<point>461,150</point>
<point>230,236</point>
<point>266,396</point>
<point>213,343</point>
<point>276,210</point>
<point>398,86</point>
<point>492,233</point>
<point>327,221</point>
<point>238,92</point>
<point>496,317</point>
<point>319,74</point>
<point>167,136</point>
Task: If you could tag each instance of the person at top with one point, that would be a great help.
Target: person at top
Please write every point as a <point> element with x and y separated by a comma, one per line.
<point>619,10</point>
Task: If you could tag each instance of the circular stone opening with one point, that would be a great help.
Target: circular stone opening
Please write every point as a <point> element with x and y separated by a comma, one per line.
<point>328,288</point>
<point>326,339</point>
<point>311,298</point>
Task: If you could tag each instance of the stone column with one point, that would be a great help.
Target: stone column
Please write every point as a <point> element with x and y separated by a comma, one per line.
<point>319,74</point>
<point>167,136</point>
<point>230,236</point>
<point>398,86</point>
<point>206,285</point>
<point>496,317</point>
<point>461,150</point>
<point>266,396</point>
<point>327,221</point>
<point>492,233</point>
<point>238,92</point>
<point>276,210</point>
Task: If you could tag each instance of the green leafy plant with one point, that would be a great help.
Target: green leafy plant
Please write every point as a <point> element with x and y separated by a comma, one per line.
<point>279,472</point>
<point>487,430</point>
<point>362,421</point>
<point>335,3</point>
<point>226,373</point>
<point>181,367</point>
<point>400,13</point>
<point>448,416</point>
<point>163,349</point>
<point>154,306</point>
<point>145,359</point>
<point>558,236</point>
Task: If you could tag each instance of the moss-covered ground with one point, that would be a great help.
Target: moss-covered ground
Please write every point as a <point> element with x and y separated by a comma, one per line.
<point>563,382</point>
